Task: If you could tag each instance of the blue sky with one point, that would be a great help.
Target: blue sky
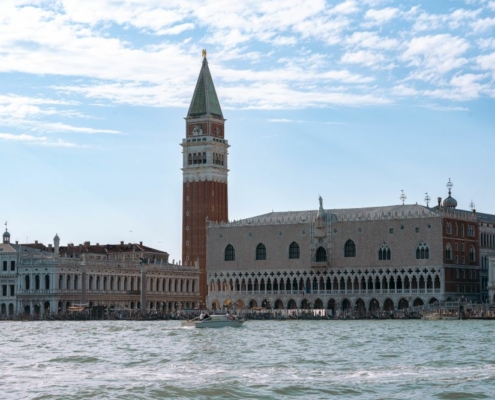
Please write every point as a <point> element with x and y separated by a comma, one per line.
<point>351,100</point>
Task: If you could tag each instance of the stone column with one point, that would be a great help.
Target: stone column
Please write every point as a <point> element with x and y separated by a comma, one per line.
<point>83,284</point>
<point>143,287</point>
<point>491,279</point>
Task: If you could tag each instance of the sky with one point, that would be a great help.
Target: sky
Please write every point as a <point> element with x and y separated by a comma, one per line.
<point>354,101</point>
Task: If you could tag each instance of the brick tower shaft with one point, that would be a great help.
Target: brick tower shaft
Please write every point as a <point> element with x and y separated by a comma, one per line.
<point>205,172</point>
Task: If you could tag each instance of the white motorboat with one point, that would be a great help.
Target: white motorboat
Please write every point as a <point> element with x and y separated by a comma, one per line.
<point>219,321</point>
<point>190,322</point>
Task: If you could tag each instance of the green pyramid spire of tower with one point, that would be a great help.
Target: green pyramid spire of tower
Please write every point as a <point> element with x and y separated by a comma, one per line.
<point>205,101</point>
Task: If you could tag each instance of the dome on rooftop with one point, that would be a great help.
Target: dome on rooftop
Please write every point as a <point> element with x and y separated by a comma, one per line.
<point>450,202</point>
<point>6,233</point>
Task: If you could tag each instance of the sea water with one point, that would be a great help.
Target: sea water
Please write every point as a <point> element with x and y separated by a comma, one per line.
<point>357,359</point>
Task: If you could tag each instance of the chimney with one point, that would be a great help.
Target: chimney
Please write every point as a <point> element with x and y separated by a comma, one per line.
<point>88,243</point>
<point>16,242</point>
<point>97,244</point>
<point>140,243</point>
<point>439,202</point>
<point>35,242</point>
<point>121,242</point>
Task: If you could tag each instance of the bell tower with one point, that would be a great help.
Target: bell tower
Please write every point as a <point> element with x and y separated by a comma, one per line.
<point>204,171</point>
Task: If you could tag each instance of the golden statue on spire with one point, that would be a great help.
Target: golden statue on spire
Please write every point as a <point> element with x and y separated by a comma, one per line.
<point>204,53</point>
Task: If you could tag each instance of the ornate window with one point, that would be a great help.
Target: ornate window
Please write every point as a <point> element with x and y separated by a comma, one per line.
<point>229,253</point>
<point>261,252</point>
<point>294,251</point>
<point>422,251</point>
<point>448,252</point>
<point>472,254</point>
<point>384,253</point>
<point>471,230</point>
<point>349,249</point>
<point>321,255</point>
<point>449,228</point>
<point>462,230</point>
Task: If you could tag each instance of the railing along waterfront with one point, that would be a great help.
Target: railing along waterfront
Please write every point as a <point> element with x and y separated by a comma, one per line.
<point>325,292</point>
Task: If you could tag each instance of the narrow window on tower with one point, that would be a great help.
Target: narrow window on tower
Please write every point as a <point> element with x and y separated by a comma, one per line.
<point>204,158</point>
<point>189,159</point>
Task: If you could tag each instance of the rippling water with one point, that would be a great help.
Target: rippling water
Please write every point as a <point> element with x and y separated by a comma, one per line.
<point>366,359</point>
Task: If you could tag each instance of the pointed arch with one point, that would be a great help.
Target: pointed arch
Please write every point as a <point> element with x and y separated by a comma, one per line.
<point>350,249</point>
<point>229,253</point>
<point>294,252</point>
<point>321,255</point>
<point>261,252</point>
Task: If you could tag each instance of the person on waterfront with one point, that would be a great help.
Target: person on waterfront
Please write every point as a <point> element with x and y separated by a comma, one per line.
<point>201,316</point>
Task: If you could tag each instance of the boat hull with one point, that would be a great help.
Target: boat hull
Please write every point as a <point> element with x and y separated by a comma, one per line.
<point>219,324</point>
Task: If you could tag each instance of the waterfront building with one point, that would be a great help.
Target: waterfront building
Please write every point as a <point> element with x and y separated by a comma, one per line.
<point>205,172</point>
<point>120,277</point>
<point>487,250</point>
<point>357,260</point>
<point>8,275</point>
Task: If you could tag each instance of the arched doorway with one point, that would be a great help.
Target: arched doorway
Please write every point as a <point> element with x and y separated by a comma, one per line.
<point>266,303</point>
<point>388,305</point>
<point>27,310</point>
<point>346,305</point>
<point>11,310</point>
<point>305,304</point>
<point>433,300</point>
<point>253,303</point>
<point>403,303</point>
<point>227,304</point>
<point>319,304</point>
<point>4,310</point>
<point>46,307</point>
<point>292,305</point>
<point>215,305</point>
<point>278,304</point>
<point>374,305</point>
<point>331,306</point>
<point>239,305</point>
<point>418,302</point>
<point>360,308</point>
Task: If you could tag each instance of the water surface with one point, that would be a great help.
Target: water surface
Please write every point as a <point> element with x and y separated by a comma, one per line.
<point>362,359</point>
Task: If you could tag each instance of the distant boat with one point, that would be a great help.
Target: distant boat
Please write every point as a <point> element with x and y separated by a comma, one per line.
<point>219,321</point>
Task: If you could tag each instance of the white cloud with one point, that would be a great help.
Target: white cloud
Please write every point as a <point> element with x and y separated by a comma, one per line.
<point>366,58</point>
<point>483,24</point>
<point>382,16</point>
<point>371,40</point>
<point>438,107</point>
<point>37,140</point>
<point>486,43</point>
<point>487,62</point>
<point>435,55</point>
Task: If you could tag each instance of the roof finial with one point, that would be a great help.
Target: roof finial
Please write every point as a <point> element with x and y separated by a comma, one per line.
<point>5,226</point>
<point>427,199</point>
<point>450,185</point>
<point>472,206</point>
<point>203,53</point>
<point>403,197</point>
